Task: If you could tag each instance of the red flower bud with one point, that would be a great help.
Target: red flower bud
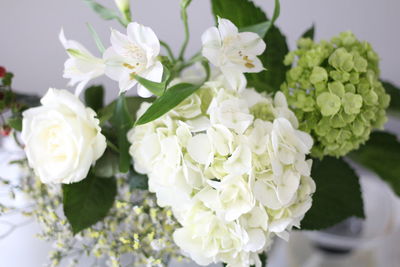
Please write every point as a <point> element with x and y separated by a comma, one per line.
<point>5,130</point>
<point>2,72</point>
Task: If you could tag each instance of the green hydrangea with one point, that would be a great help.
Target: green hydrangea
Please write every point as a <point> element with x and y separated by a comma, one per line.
<point>335,91</point>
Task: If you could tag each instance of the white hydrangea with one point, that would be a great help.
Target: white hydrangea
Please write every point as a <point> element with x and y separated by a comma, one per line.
<point>232,166</point>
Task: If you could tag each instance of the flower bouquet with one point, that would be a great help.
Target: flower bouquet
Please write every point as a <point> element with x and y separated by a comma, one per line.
<point>216,156</point>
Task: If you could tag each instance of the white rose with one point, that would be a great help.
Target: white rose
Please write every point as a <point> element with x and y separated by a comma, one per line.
<point>62,138</point>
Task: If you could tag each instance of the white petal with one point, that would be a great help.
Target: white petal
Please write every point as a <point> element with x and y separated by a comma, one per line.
<point>256,240</point>
<point>266,195</point>
<point>144,37</point>
<point>226,28</point>
<point>199,148</point>
<point>125,82</point>
<point>211,45</point>
<point>113,62</point>
<point>252,43</point>
<point>119,42</point>
<point>235,78</point>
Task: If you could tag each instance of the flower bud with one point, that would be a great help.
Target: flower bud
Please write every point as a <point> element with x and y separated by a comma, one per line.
<point>2,72</point>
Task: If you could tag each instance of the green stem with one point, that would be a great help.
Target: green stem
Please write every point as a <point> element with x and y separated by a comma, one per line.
<point>184,5</point>
<point>169,50</point>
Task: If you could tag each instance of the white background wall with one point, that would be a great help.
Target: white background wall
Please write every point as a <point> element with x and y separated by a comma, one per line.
<point>30,48</point>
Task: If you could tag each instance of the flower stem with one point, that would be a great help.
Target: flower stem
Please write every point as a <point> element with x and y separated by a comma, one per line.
<point>184,5</point>
<point>169,50</point>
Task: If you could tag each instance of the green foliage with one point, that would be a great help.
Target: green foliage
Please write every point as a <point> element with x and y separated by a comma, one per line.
<point>156,88</point>
<point>337,197</point>
<point>15,122</point>
<point>104,12</point>
<point>122,122</point>
<point>394,93</point>
<point>88,201</point>
<point>94,97</point>
<point>262,28</point>
<point>107,166</point>
<point>137,180</point>
<point>96,38</point>
<point>170,99</point>
<point>7,79</point>
<point>133,103</point>
<point>309,33</point>
<point>244,13</point>
<point>381,154</point>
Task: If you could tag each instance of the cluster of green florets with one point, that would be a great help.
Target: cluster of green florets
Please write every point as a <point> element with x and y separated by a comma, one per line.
<point>335,91</point>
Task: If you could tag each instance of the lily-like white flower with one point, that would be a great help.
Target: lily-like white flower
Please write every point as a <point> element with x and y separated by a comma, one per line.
<point>233,52</point>
<point>82,66</point>
<point>133,54</point>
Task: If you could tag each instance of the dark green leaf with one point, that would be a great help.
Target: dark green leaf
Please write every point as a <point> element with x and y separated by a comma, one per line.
<point>133,103</point>
<point>309,33</point>
<point>104,12</point>
<point>337,197</point>
<point>94,97</point>
<point>394,93</point>
<point>15,123</point>
<point>155,87</point>
<point>88,201</point>
<point>262,28</point>
<point>244,13</point>
<point>108,165</point>
<point>381,154</point>
<point>27,100</point>
<point>137,180</point>
<point>7,79</point>
<point>170,99</point>
<point>122,122</point>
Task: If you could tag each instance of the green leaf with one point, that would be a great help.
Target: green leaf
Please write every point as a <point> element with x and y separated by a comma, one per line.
<point>94,97</point>
<point>337,197</point>
<point>381,154</point>
<point>137,180</point>
<point>122,122</point>
<point>394,93</point>
<point>170,99</point>
<point>133,104</point>
<point>155,87</point>
<point>88,201</point>
<point>96,38</point>
<point>15,123</point>
<point>107,166</point>
<point>7,79</point>
<point>309,33</point>
<point>262,28</point>
<point>104,12</point>
<point>244,13</point>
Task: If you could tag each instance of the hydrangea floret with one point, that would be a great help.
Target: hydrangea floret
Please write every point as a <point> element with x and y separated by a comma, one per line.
<point>334,89</point>
<point>232,167</point>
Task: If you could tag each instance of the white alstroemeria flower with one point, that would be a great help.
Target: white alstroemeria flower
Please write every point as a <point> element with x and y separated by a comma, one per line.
<point>133,54</point>
<point>82,66</point>
<point>233,52</point>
